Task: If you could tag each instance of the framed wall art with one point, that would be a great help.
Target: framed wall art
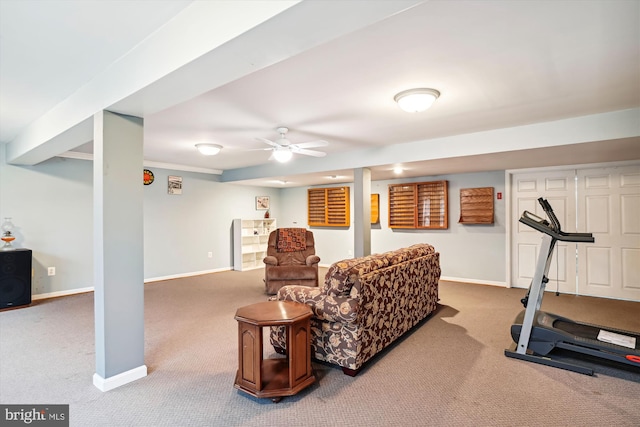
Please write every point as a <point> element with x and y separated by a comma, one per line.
<point>174,185</point>
<point>262,203</point>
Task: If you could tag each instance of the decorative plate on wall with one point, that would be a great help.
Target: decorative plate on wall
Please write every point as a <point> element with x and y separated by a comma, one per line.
<point>147,177</point>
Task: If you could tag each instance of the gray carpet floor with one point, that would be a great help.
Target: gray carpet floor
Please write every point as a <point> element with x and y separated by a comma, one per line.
<point>448,371</point>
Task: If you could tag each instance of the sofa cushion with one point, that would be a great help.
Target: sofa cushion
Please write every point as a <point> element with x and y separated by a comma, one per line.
<point>412,252</point>
<point>330,308</point>
<point>342,275</point>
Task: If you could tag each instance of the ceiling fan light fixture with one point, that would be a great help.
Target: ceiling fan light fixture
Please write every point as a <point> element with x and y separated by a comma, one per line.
<point>209,149</point>
<point>416,100</point>
<point>282,155</point>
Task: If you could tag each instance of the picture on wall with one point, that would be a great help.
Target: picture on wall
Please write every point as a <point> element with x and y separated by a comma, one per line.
<point>262,203</point>
<point>175,185</point>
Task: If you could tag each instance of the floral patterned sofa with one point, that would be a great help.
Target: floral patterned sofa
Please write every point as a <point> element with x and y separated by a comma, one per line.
<point>365,304</point>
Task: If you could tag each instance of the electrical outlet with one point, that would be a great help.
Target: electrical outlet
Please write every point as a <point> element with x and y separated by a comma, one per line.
<point>210,254</point>
<point>51,271</point>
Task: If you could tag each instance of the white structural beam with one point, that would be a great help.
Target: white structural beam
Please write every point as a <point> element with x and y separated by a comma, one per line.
<point>578,130</point>
<point>208,44</point>
<point>196,30</point>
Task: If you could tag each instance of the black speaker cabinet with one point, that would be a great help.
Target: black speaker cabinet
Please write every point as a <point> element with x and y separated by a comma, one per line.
<point>15,278</point>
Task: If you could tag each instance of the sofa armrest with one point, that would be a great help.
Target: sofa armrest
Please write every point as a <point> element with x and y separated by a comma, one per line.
<point>343,309</point>
<point>270,260</point>
<point>313,260</point>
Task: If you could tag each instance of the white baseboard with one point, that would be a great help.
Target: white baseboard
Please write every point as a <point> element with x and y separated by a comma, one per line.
<point>62,293</point>
<point>179,276</point>
<point>153,279</point>
<point>474,281</point>
<point>106,384</point>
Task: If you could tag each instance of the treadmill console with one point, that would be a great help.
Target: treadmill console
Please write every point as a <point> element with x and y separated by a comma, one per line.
<point>553,228</point>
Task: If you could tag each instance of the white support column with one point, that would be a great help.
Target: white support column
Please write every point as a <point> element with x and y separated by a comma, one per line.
<point>118,249</point>
<point>362,211</point>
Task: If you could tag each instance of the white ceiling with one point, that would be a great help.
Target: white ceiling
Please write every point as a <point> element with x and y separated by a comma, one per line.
<point>498,64</point>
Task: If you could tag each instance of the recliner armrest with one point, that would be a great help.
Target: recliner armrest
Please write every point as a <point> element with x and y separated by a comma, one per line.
<point>270,260</point>
<point>313,260</point>
<point>343,309</point>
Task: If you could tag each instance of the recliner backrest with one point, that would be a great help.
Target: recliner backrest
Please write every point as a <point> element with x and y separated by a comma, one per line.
<point>291,258</point>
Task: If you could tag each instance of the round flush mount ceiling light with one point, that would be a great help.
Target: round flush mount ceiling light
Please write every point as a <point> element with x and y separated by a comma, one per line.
<point>209,149</point>
<point>416,100</point>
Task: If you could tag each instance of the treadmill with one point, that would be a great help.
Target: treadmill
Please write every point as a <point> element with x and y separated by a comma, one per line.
<point>537,333</point>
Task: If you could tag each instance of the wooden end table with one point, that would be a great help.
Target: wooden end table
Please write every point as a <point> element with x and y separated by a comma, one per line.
<point>278,377</point>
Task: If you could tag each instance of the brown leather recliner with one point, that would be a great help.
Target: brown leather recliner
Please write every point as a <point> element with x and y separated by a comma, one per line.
<point>291,259</point>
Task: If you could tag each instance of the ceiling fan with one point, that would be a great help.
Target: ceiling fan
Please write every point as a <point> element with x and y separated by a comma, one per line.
<point>283,149</point>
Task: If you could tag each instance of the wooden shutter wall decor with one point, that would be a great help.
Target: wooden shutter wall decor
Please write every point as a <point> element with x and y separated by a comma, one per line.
<point>328,207</point>
<point>476,205</point>
<point>423,205</point>
<point>375,208</point>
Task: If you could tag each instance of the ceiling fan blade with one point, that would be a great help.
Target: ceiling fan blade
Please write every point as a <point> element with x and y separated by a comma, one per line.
<point>312,144</point>
<point>309,152</point>
<point>266,141</point>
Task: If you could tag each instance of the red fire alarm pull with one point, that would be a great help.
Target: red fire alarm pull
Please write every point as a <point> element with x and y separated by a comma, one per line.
<point>499,196</point>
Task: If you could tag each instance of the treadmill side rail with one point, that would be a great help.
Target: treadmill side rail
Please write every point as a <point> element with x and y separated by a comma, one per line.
<point>549,362</point>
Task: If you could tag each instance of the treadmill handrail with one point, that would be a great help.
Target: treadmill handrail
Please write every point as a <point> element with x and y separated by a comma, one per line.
<point>555,223</point>
<point>541,225</point>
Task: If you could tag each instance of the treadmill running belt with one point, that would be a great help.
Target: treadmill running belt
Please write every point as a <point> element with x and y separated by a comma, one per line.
<point>584,331</point>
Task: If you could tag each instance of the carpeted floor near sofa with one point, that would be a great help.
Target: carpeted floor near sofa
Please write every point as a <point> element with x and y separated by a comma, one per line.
<point>449,371</point>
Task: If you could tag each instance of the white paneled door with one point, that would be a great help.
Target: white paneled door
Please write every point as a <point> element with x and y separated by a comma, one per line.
<point>610,202</point>
<point>602,201</point>
<point>558,187</point>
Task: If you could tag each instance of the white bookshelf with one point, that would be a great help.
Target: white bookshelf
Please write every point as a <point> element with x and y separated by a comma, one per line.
<point>250,238</point>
